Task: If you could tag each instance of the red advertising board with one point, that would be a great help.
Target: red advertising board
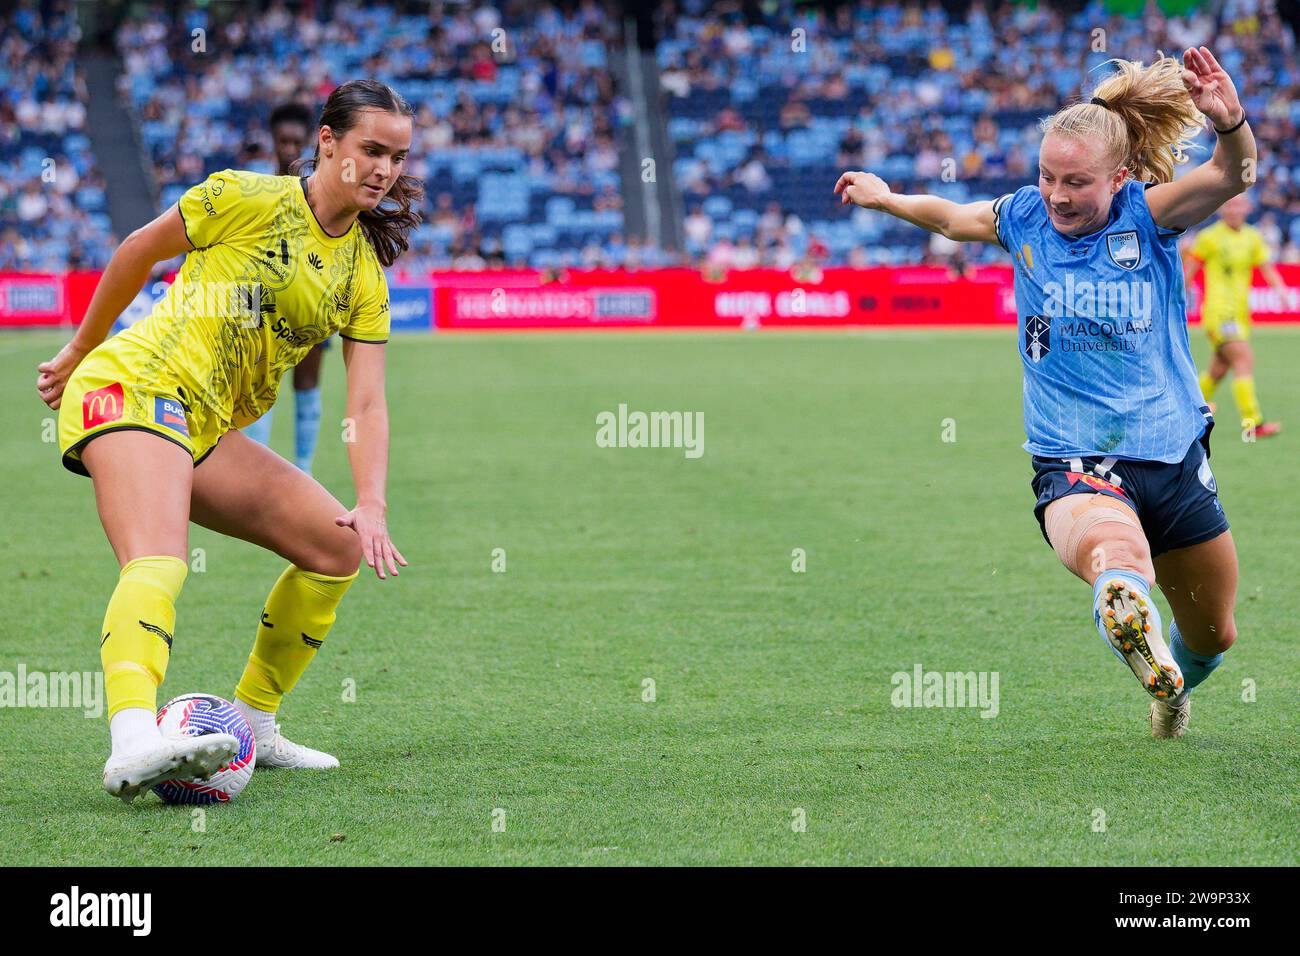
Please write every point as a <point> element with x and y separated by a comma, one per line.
<point>689,298</point>
<point>681,298</point>
<point>31,299</point>
<point>664,298</point>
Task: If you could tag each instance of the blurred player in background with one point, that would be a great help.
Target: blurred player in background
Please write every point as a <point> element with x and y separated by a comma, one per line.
<point>1116,423</point>
<point>273,265</point>
<point>291,126</point>
<point>1229,251</point>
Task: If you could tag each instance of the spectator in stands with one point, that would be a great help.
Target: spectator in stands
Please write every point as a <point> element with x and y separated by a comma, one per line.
<point>467,258</point>
<point>443,213</point>
<point>795,115</point>
<point>852,145</point>
<point>609,200</point>
<point>753,175</point>
<point>745,255</point>
<point>721,255</point>
<point>698,227</point>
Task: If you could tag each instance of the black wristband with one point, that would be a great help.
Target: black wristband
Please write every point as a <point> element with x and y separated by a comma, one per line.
<point>1225,132</point>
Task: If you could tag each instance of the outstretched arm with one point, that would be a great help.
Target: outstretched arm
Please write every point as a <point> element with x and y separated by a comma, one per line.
<point>969,222</point>
<point>1184,202</point>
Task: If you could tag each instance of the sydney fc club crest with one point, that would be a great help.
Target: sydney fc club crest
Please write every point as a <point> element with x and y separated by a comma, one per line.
<point>1207,476</point>
<point>1038,336</point>
<point>1124,249</point>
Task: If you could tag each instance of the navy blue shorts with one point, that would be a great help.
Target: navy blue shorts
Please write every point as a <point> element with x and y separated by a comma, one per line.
<point>1178,504</point>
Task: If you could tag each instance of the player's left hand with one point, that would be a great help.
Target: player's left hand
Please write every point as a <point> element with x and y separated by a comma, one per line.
<point>1211,88</point>
<point>56,372</point>
<point>372,527</point>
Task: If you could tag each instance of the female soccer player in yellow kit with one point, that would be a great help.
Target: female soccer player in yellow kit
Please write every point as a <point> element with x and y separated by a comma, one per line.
<point>1229,251</point>
<point>273,265</point>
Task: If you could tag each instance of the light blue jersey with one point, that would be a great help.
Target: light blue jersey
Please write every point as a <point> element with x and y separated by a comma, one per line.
<point>1102,323</point>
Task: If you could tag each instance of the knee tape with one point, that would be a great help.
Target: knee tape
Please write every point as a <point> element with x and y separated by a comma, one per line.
<point>1067,522</point>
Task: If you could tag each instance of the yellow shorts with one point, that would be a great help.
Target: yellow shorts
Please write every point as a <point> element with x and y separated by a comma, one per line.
<point>122,385</point>
<point>1225,326</point>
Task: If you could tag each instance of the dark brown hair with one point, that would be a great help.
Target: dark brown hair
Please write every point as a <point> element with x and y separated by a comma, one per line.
<point>290,112</point>
<point>387,225</point>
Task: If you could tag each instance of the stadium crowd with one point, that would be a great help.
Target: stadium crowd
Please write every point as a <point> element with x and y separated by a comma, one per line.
<point>516,112</point>
<point>766,112</point>
<point>519,116</point>
<point>53,208</point>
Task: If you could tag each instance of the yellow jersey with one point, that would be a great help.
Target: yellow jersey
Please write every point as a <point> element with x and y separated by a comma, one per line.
<point>1230,257</point>
<point>263,285</point>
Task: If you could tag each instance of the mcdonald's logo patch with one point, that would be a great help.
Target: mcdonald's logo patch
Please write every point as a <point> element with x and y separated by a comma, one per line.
<point>102,405</point>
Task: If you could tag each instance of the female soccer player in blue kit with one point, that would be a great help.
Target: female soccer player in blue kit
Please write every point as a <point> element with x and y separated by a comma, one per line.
<point>1116,423</point>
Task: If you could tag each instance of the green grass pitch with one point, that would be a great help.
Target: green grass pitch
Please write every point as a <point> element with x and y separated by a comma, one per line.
<point>478,692</point>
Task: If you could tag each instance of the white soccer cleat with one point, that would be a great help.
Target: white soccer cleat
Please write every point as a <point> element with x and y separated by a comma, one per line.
<point>1170,720</point>
<point>172,758</point>
<point>284,753</point>
<point>1130,629</point>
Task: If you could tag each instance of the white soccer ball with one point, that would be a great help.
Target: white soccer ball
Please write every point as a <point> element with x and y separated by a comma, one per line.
<point>194,715</point>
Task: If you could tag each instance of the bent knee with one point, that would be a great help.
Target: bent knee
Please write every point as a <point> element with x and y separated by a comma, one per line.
<point>1098,533</point>
<point>339,557</point>
<point>1220,638</point>
<point>1109,549</point>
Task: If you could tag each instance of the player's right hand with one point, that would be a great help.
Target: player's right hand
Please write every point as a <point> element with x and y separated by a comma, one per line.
<point>56,372</point>
<point>862,189</point>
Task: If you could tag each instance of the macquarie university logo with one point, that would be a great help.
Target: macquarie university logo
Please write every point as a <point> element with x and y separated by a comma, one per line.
<point>1125,250</point>
<point>1038,336</point>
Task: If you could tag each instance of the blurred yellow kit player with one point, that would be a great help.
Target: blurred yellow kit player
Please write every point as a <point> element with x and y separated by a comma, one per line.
<point>1229,251</point>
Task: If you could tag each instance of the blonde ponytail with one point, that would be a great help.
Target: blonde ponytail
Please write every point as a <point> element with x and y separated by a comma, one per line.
<point>1148,122</point>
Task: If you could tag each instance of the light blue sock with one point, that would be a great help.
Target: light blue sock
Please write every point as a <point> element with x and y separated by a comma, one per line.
<point>1195,667</point>
<point>260,430</point>
<point>1138,584</point>
<point>306,425</point>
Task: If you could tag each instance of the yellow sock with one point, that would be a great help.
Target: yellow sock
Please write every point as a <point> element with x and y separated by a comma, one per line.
<point>297,616</point>
<point>1207,385</point>
<point>137,631</point>
<point>1243,390</point>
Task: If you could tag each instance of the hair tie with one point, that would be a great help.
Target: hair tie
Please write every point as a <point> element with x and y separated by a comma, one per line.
<point>1098,101</point>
